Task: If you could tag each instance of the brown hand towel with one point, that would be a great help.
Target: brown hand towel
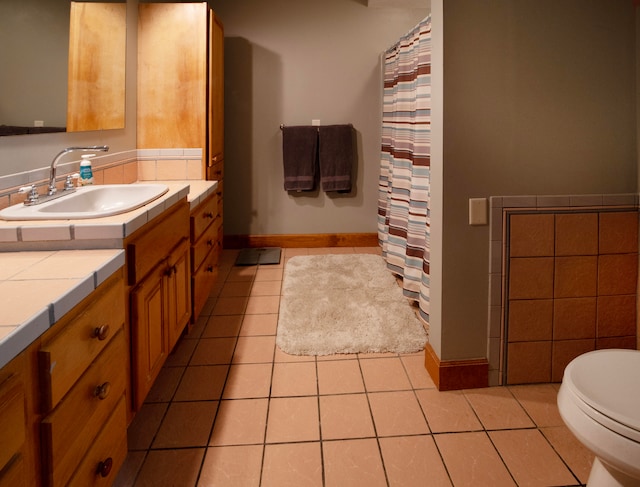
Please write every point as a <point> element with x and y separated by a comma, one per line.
<point>299,154</point>
<point>336,157</point>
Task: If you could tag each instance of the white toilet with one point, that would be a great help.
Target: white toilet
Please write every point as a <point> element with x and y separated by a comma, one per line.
<point>599,401</point>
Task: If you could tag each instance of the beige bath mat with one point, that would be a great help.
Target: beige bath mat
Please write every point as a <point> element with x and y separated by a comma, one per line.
<point>347,303</point>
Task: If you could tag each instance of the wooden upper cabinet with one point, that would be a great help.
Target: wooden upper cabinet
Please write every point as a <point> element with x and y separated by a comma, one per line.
<point>172,75</point>
<point>216,90</point>
<point>97,51</point>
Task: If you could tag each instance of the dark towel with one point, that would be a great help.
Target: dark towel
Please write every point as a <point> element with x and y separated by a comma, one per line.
<point>336,157</point>
<point>299,154</point>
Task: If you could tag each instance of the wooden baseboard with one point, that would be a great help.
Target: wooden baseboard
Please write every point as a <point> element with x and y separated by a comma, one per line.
<point>302,241</point>
<point>453,375</point>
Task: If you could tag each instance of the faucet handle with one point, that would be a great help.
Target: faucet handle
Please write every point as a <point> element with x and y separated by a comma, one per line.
<point>71,182</point>
<point>32,197</point>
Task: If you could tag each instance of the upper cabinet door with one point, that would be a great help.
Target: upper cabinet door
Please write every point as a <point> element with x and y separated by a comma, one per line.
<point>172,75</point>
<point>97,51</point>
<point>216,93</point>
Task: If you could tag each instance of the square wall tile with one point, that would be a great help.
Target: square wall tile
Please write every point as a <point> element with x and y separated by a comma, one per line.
<point>114,175</point>
<point>617,274</point>
<point>617,342</point>
<point>529,362</point>
<point>171,169</point>
<point>577,234</point>
<point>531,235</point>
<point>531,278</point>
<point>530,320</point>
<point>619,232</point>
<point>564,351</point>
<point>130,172</point>
<point>616,316</point>
<point>147,171</point>
<point>575,276</point>
<point>574,318</point>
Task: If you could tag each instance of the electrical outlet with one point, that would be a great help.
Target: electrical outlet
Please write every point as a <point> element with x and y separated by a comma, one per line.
<point>38,123</point>
<point>315,122</point>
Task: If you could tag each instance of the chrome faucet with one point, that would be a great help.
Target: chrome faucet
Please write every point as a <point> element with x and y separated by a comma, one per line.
<point>54,163</point>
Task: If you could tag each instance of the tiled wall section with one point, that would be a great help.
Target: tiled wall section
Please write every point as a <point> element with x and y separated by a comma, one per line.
<point>567,276</point>
<point>115,168</point>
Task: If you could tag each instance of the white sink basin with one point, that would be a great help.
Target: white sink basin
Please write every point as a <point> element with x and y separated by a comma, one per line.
<point>89,202</point>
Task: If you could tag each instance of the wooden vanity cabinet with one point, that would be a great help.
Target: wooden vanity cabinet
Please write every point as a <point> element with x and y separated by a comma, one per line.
<point>83,376</point>
<point>13,425</point>
<point>206,245</point>
<point>158,266</point>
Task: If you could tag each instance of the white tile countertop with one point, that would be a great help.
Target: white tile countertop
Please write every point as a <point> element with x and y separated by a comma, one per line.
<point>106,232</point>
<point>48,267</point>
<point>38,288</point>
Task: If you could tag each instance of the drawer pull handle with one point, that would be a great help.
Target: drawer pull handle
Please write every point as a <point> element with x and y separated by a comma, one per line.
<point>210,268</point>
<point>102,391</point>
<point>207,215</point>
<point>209,243</point>
<point>104,467</point>
<point>101,332</point>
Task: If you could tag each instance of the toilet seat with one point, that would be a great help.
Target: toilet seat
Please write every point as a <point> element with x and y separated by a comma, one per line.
<point>605,394</point>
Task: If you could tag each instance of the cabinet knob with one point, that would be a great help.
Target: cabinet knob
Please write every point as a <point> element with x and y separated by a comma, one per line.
<point>170,271</point>
<point>104,467</point>
<point>209,243</point>
<point>101,332</point>
<point>102,391</point>
<point>208,215</point>
<point>210,268</point>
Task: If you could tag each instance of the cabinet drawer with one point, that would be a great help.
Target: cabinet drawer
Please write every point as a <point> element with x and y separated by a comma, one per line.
<point>107,454</point>
<point>203,216</point>
<point>203,281</point>
<point>82,336</point>
<point>12,421</point>
<point>70,429</point>
<point>216,169</point>
<point>205,244</point>
<point>145,251</point>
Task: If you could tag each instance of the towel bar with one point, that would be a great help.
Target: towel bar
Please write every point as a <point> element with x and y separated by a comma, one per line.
<point>282,126</point>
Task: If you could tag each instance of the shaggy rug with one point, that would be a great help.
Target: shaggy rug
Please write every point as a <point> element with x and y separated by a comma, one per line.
<point>347,303</point>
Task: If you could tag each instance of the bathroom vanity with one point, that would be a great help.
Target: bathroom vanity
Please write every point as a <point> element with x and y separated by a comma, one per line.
<point>74,370</point>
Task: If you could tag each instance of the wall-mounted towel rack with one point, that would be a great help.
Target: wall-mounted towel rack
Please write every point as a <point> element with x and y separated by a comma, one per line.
<point>282,126</point>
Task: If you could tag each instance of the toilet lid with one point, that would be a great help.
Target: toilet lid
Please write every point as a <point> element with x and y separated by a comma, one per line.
<point>609,382</point>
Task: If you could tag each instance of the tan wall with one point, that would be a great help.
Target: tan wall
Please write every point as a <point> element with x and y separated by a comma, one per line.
<point>289,62</point>
<point>538,99</point>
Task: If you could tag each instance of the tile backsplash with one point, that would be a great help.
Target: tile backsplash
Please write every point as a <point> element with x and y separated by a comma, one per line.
<point>114,168</point>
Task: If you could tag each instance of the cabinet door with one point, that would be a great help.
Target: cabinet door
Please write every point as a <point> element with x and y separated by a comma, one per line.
<point>172,75</point>
<point>12,426</point>
<point>216,90</point>
<point>149,314</point>
<point>179,284</point>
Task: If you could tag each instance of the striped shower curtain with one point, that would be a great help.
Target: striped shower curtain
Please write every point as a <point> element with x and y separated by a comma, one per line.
<point>403,200</point>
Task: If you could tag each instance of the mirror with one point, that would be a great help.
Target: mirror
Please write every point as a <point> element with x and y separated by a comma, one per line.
<point>58,58</point>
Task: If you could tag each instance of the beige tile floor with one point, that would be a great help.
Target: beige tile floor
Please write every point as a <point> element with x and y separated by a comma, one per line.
<point>230,409</point>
